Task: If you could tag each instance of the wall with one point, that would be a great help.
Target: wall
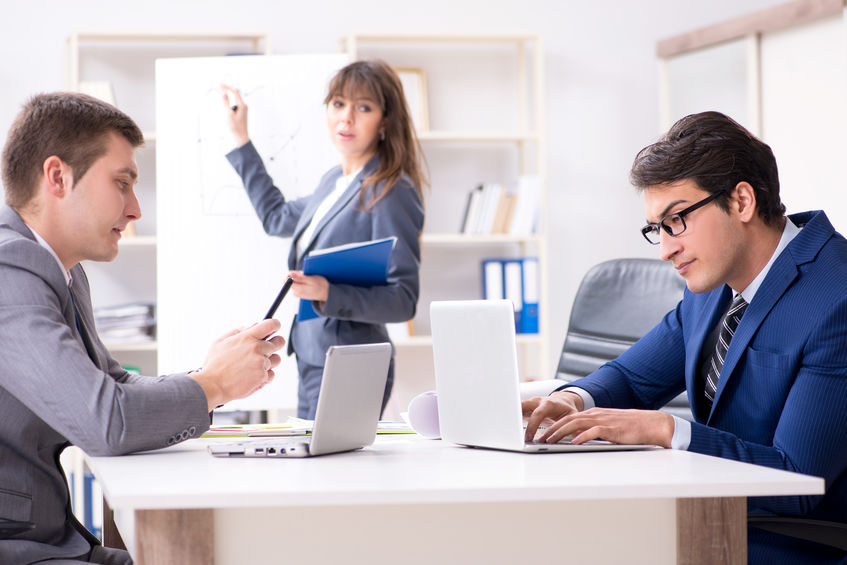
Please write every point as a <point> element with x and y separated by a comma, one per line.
<point>602,84</point>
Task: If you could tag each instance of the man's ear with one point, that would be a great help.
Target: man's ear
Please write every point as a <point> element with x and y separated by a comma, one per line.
<point>745,201</point>
<point>58,176</point>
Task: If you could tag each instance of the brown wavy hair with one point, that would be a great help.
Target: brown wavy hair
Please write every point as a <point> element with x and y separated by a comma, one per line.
<point>399,150</point>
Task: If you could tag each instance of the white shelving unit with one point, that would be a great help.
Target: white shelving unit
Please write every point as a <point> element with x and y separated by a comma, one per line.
<point>485,108</point>
<point>122,64</point>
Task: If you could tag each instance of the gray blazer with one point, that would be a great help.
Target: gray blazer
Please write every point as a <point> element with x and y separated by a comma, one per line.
<point>60,387</point>
<point>352,314</point>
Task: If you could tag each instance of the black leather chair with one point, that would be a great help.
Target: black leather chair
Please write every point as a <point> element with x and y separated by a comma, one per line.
<point>617,303</point>
<point>833,534</point>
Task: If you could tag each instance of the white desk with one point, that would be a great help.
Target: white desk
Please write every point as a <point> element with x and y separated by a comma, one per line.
<point>409,500</point>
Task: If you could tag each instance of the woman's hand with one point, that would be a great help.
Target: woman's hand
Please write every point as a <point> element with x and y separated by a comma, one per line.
<point>237,119</point>
<point>309,287</point>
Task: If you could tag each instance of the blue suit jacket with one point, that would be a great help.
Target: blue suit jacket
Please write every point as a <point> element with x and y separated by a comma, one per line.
<point>352,314</point>
<point>782,396</point>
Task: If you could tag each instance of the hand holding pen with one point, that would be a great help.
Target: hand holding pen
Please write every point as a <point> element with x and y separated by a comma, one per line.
<point>236,111</point>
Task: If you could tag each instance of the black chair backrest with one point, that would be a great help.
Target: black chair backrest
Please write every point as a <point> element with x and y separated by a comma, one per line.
<point>617,303</point>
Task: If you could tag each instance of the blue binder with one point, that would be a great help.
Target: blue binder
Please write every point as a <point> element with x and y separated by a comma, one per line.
<point>529,284</point>
<point>360,264</point>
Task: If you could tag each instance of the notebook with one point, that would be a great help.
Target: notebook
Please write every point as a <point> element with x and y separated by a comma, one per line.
<point>477,380</point>
<point>348,408</point>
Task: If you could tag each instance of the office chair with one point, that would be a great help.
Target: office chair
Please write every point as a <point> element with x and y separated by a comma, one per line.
<point>833,534</point>
<point>619,301</point>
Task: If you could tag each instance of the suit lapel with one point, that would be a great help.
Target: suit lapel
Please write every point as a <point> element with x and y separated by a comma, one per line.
<point>56,279</point>
<point>784,271</point>
<point>338,206</point>
<point>83,323</point>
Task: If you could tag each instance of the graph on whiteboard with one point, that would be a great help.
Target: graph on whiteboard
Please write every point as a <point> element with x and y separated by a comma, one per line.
<point>278,133</point>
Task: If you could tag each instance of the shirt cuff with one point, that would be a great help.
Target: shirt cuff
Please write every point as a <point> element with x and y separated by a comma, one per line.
<point>681,433</point>
<point>587,399</point>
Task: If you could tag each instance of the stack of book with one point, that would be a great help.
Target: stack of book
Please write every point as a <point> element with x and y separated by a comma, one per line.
<point>491,209</point>
<point>127,323</point>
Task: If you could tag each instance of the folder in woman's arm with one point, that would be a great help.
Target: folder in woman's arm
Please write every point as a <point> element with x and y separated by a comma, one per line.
<point>361,264</point>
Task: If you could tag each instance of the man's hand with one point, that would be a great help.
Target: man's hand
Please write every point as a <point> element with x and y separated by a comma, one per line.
<point>650,427</point>
<point>548,409</point>
<point>240,363</point>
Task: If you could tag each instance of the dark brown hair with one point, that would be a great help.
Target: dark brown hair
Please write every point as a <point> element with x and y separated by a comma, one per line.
<point>74,127</point>
<point>717,153</point>
<point>399,149</point>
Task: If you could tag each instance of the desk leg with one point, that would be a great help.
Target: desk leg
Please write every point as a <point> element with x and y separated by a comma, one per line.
<point>111,535</point>
<point>711,531</point>
<point>175,536</point>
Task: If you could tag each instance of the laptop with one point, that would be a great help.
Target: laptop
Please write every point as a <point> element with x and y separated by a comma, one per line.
<point>477,380</point>
<point>347,414</point>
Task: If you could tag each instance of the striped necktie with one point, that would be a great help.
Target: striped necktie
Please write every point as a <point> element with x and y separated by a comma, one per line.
<point>728,325</point>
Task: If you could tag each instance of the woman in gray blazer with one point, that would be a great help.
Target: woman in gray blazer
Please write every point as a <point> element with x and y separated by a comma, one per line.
<point>375,192</point>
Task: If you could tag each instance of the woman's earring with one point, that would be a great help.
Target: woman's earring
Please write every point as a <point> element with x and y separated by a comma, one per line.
<point>382,135</point>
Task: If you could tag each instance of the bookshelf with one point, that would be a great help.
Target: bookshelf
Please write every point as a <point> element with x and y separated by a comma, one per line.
<point>485,109</point>
<point>119,67</point>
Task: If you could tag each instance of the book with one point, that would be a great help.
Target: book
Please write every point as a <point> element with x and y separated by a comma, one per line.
<point>473,209</point>
<point>525,219</point>
<point>361,264</point>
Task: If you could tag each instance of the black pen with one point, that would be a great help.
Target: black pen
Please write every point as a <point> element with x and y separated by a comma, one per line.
<point>282,292</point>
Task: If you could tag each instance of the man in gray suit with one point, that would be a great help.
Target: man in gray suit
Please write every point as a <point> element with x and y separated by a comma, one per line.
<point>68,173</point>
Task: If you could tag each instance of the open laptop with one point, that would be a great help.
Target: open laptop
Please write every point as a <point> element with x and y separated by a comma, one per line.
<point>348,408</point>
<point>477,381</point>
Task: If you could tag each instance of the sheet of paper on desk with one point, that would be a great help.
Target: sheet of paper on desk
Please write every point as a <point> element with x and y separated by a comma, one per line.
<point>382,427</point>
<point>247,430</point>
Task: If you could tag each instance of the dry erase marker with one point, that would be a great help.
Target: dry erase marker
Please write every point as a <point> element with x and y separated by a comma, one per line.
<point>231,100</point>
<point>282,292</point>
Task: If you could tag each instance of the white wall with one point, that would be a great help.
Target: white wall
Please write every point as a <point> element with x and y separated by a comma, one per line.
<point>602,83</point>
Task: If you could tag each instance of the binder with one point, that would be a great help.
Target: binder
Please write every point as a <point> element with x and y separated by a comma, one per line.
<point>513,288</point>
<point>514,279</point>
<point>492,279</point>
<point>529,279</point>
<point>361,264</point>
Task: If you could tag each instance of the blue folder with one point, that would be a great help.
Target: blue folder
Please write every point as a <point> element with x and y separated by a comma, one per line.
<point>360,264</point>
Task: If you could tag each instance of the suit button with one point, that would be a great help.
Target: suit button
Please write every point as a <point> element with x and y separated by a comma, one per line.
<point>192,430</point>
<point>183,436</point>
<point>171,440</point>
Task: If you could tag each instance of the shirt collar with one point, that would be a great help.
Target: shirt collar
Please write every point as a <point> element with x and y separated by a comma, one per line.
<point>788,233</point>
<point>41,241</point>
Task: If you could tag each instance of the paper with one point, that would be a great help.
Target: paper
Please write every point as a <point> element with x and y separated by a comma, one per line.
<point>250,430</point>
<point>423,415</point>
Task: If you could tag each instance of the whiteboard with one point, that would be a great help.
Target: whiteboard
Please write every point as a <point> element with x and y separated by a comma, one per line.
<point>217,269</point>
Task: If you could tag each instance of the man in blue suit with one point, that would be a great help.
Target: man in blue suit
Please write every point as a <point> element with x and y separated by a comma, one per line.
<point>759,340</point>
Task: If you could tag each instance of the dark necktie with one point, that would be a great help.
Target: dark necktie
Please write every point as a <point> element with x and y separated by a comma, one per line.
<point>728,325</point>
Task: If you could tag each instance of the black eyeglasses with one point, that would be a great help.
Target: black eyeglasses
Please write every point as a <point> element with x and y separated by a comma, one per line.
<point>673,224</point>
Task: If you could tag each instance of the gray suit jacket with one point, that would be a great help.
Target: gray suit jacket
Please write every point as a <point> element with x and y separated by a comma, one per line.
<point>352,314</point>
<point>60,387</point>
